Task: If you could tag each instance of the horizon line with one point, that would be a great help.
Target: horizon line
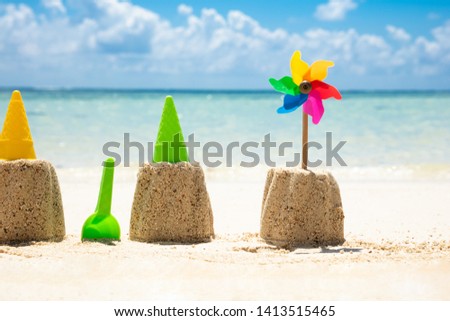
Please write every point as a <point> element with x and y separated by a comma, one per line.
<point>201,90</point>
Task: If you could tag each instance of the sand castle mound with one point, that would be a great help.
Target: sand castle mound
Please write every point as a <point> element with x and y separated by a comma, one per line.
<point>31,206</point>
<point>302,208</point>
<point>171,204</point>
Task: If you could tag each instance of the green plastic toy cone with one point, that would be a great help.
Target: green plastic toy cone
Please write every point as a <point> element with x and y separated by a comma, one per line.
<point>101,225</point>
<point>170,146</point>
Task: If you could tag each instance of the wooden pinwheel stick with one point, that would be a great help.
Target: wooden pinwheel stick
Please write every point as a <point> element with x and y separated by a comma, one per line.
<point>305,141</point>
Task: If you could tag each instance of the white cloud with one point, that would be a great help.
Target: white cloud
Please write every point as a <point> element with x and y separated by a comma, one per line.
<point>124,27</point>
<point>55,5</point>
<point>335,9</point>
<point>185,9</point>
<point>398,33</point>
<point>135,46</point>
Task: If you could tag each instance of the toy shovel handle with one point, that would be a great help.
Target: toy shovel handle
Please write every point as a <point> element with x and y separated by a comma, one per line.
<point>106,188</point>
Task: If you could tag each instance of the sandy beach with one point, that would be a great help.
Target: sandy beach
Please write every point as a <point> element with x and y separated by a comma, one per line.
<point>397,248</point>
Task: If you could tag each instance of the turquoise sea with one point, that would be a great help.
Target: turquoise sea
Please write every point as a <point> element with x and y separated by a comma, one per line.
<point>401,128</point>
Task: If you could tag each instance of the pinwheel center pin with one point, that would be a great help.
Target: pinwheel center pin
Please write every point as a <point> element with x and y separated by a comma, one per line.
<point>305,87</point>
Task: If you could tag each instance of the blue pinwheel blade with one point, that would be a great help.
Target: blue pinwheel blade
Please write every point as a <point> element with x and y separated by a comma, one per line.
<point>284,110</point>
<point>291,103</point>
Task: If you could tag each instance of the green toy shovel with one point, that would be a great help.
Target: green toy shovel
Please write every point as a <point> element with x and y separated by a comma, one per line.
<point>101,225</point>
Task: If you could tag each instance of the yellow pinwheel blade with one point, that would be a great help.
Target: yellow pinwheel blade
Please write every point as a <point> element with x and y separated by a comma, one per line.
<point>318,70</point>
<point>298,67</point>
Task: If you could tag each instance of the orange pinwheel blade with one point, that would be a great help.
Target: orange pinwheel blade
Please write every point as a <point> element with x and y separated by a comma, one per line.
<point>318,70</point>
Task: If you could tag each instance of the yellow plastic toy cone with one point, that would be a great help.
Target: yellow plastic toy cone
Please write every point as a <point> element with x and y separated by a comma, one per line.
<point>15,140</point>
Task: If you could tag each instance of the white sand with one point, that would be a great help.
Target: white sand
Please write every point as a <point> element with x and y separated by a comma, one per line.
<point>397,231</point>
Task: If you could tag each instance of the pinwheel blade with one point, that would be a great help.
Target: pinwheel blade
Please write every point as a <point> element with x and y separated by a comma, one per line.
<point>291,103</point>
<point>284,110</point>
<point>314,107</point>
<point>285,85</point>
<point>325,90</point>
<point>298,67</point>
<point>318,70</point>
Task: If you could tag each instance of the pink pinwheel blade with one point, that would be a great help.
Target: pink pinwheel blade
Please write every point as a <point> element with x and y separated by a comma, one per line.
<point>314,107</point>
<point>325,90</point>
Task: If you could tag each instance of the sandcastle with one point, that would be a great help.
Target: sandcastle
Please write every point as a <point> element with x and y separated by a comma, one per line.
<point>31,206</point>
<point>302,208</point>
<point>171,202</point>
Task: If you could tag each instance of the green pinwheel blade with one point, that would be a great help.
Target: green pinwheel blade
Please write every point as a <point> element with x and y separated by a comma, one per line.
<point>170,146</point>
<point>102,225</point>
<point>285,85</point>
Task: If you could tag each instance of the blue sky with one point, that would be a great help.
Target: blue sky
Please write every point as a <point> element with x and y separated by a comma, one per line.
<point>222,44</point>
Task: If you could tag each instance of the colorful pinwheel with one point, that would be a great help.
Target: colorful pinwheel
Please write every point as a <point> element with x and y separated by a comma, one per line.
<point>305,87</point>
